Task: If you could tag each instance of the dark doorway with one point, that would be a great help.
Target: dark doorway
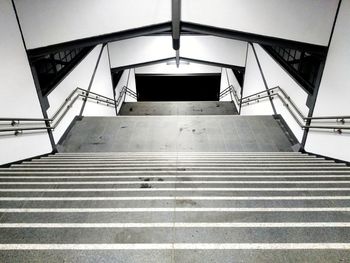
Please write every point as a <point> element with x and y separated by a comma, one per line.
<point>194,87</point>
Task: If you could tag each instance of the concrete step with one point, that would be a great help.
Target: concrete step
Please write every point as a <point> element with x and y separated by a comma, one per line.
<point>181,181</point>
<point>169,214</point>
<point>203,168</point>
<point>242,159</point>
<point>178,108</point>
<point>138,233</point>
<point>169,177</point>
<point>222,194</point>
<point>179,155</point>
<point>184,253</point>
<point>181,162</point>
<point>74,207</point>
<point>329,203</point>
<point>143,173</point>
<point>213,133</point>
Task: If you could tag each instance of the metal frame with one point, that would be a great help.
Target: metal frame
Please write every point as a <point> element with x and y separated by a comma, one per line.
<point>263,78</point>
<point>63,73</point>
<point>308,87</point>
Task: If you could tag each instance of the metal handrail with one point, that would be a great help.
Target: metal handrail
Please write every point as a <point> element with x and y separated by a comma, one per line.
<point>53,122</point>
<point>303,122</point>
<point>131,92</point>
<point>230,90</point>
<point>225,92</point>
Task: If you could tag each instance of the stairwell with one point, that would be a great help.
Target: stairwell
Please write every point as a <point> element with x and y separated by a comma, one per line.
<point>181,188</point>
<point>178,108</point>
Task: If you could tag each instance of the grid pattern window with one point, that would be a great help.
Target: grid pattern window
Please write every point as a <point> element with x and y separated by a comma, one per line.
<point>51,68</point>
<point>304,66</point>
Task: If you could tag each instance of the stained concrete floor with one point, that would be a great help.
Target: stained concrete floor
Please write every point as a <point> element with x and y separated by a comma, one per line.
<point>179,108</point>
<point>212,133</point>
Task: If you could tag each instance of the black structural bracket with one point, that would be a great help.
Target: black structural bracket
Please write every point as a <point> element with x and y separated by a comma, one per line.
<point>249,37</point>
<point>176,16</point>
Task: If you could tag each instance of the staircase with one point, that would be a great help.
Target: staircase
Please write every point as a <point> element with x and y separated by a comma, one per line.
<point>175,207</point>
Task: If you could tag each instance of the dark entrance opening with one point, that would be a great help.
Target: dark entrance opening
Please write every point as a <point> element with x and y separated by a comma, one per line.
<point>194,87</point>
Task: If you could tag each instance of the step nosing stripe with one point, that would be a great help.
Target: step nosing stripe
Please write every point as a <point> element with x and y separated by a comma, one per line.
<point>173,182</point>
<point>177,209</point>
<point>179,246</point>
<point>181,225</point>
<point>252,189</point>
<point>175,198</point>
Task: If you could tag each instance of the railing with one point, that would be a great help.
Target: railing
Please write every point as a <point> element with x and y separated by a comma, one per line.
<point>232,91</point>
<point>54,121</point>
<point>301,120</point>
<point>125,91</point>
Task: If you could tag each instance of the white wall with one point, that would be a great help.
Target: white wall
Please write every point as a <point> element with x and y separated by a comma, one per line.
<point>306,21</point>
<point>79,77</point>
<point>17,92</point>
<point>184,68</point>
<point>214,49</point>
<point>50,22</point>
<point>275,75</point>
<point>253,83</point>
<point>334,93</point>
<point>102,84</point>
<point>140,50</point>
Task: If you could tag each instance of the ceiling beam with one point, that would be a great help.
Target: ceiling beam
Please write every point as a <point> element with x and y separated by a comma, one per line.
<point>92,41</point>
<point>211,63</point>
<point>143,64</point>
<point>183,28</point>
<point>249,37</point>
<point>204,62</point>
<point>177,58</point>
<point>175,23</point>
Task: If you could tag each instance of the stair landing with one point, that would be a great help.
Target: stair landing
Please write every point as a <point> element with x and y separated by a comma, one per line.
<point>178,108</point>
<point>210,133</point>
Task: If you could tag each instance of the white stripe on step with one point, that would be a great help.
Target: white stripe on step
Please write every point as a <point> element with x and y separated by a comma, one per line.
<point>173,182</point>
<point>143,210</point>
<point>152,198</point>
<point>254,189</point>
<point>179,246</point>
<point>161,173</point>
<point>170,176</point>
<point>179,225</point>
